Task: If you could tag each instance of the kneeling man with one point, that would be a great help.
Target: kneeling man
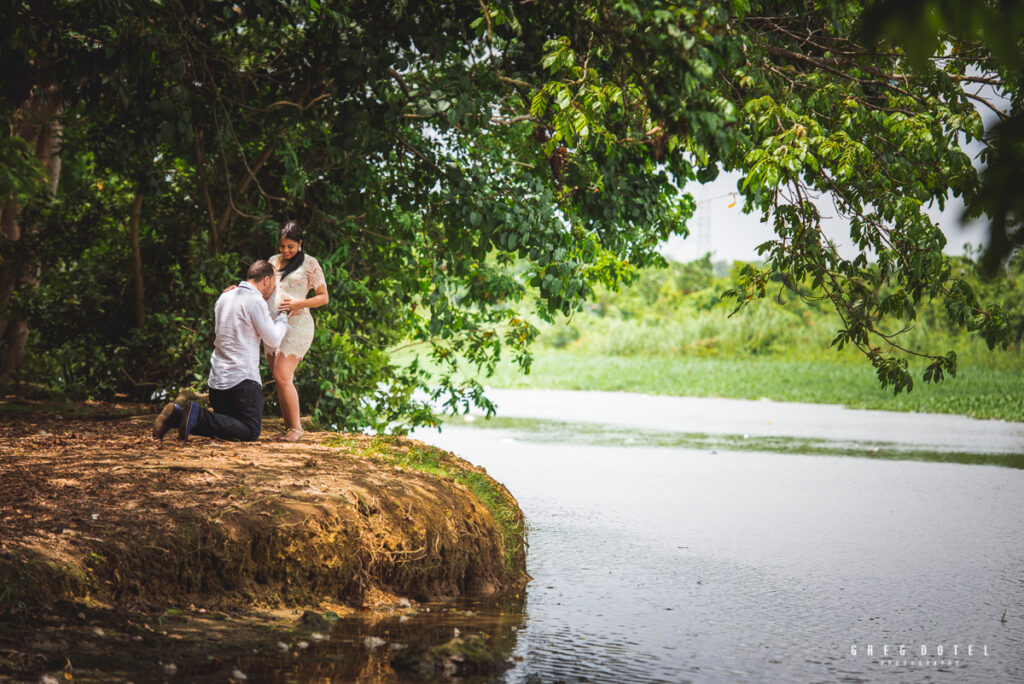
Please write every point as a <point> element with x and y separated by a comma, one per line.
<point>236,394</point>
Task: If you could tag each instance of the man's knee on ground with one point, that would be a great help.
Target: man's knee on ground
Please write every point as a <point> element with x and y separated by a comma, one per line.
<point>250,434</point>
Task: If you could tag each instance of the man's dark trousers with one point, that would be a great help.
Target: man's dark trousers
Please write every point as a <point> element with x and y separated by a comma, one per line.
<point>238,413</point>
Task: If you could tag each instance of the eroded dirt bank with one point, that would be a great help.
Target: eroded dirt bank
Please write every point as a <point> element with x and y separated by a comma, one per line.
<point>95,514</point>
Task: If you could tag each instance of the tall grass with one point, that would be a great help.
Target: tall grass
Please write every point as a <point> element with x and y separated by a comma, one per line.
<point>682,312</point>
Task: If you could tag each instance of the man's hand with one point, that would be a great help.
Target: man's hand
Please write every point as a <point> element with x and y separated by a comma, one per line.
<point>229,288</point>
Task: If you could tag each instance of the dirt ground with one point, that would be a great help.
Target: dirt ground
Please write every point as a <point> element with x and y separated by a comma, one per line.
<point>98,518</point>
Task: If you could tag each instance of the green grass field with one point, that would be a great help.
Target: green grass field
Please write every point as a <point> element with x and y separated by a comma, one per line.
<point>671,333</point>
<point>977,391</point>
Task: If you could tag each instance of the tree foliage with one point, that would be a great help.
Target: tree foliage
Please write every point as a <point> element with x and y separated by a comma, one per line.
<point>447,158</point>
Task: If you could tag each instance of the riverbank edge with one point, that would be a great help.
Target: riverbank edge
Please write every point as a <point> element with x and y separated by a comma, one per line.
<point>100,513</point>
<point>984,393</point>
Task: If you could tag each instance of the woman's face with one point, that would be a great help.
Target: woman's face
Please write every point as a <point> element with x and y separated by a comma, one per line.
<point>289,248</point>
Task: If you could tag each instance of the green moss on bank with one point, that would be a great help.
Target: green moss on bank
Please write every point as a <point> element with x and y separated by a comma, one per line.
<point>401,452</point>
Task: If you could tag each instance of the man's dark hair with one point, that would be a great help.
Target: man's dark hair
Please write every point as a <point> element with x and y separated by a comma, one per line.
<point>259,270</point>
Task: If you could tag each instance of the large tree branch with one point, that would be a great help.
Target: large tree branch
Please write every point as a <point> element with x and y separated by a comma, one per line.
<point>302,107</point>
<point>243,185</point>
<point>419,155</point>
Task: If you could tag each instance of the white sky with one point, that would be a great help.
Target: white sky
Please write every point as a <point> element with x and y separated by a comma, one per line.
<point>731,235</point>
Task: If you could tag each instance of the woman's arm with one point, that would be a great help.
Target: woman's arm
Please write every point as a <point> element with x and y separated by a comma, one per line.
<point>319,299</point>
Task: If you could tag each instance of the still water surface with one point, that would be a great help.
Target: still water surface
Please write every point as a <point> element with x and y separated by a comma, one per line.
<point>713,540</point>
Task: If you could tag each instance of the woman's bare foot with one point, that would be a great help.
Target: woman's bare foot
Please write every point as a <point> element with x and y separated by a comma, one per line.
<point>291,435</point>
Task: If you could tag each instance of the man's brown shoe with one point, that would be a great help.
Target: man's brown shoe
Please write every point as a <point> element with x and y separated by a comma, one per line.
<point>166,421</point>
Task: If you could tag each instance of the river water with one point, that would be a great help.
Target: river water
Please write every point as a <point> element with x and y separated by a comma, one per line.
<point>678,539</point>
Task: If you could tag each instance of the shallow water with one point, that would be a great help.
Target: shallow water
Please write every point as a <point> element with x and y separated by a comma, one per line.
<point>662,552</point>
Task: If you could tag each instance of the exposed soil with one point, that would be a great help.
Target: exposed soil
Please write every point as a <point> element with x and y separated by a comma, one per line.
<point>96,515</point>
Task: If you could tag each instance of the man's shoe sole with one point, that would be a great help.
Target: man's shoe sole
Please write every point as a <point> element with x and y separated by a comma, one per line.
<point>159,425</point>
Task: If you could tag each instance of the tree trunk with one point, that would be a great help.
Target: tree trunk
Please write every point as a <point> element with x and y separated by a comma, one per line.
<point>140,298</point>
<point>9,231</point>
<point>36,122</point>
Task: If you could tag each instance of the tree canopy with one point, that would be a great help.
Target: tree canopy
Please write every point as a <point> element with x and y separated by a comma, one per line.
<point>454,162</point>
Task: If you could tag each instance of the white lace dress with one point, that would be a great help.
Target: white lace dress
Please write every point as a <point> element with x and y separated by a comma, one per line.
<point>297,285</point>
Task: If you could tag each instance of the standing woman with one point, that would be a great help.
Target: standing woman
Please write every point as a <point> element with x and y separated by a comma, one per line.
<point>297,274</point>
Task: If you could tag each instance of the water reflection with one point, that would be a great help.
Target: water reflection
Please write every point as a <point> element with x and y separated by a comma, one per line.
<point>386,649</point>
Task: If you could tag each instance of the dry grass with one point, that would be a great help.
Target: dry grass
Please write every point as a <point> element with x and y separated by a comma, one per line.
<point>95,509</point>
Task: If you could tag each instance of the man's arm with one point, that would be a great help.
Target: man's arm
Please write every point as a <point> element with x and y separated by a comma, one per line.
<point>271,330</point>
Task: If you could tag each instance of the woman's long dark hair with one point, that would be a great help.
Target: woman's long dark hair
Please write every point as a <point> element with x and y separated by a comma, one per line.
<point>292,231</point>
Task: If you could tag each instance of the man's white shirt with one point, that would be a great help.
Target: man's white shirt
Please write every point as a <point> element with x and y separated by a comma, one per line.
<point>242,320</point>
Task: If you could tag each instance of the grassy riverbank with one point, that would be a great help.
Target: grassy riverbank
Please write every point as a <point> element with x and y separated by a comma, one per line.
<point>673,332</point>
<point>96,509</point>
<point>977,391</point>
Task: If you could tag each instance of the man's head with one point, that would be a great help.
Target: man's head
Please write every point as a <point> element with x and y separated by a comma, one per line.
<point>261,275</point>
